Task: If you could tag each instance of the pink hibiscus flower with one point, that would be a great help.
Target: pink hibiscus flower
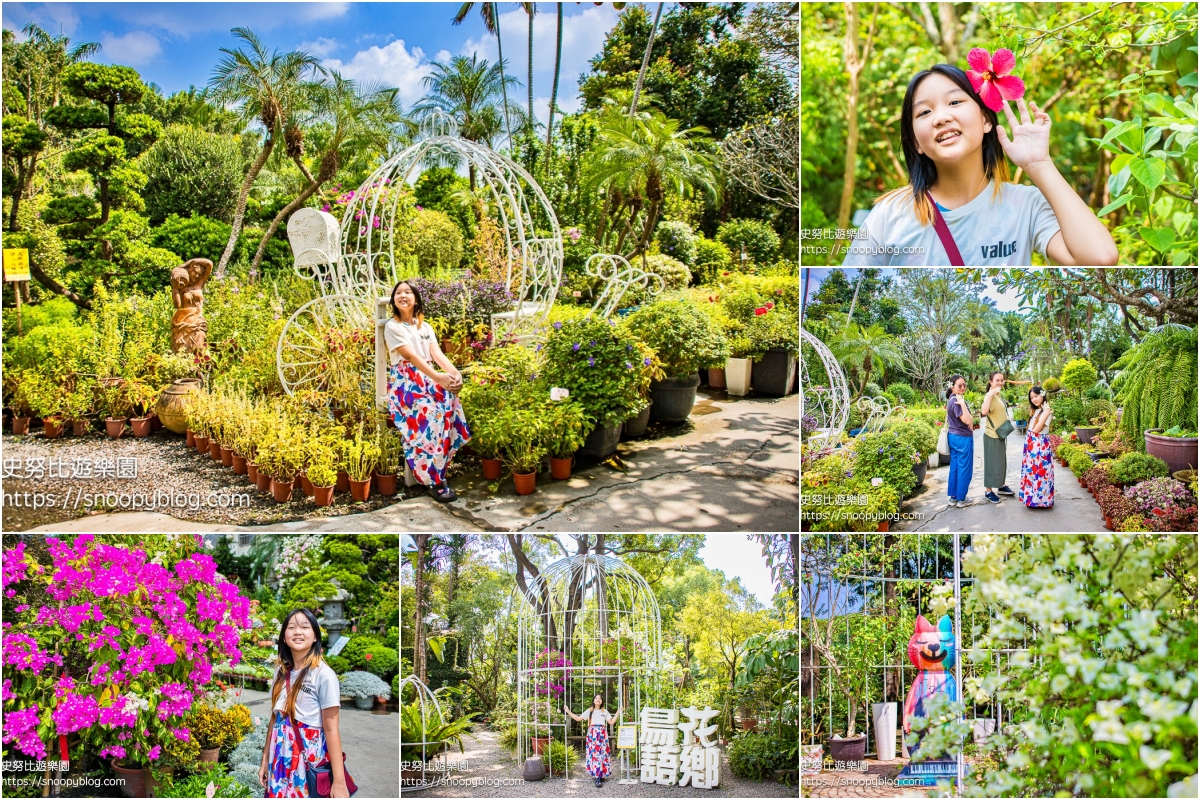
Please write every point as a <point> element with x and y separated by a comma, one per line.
<point>989,77</point>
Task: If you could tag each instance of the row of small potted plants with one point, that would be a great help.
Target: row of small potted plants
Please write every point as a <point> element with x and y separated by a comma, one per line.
<point>277,451</point>
<point>72,406</point>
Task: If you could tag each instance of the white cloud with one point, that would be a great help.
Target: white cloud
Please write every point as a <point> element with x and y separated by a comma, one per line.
<point>321,46</point>
<point>185,19</point>
<point>583,37</point>
<point>54,18</point>
<point>135,48</point>
<point>391,65</point>
<point>442,57</point>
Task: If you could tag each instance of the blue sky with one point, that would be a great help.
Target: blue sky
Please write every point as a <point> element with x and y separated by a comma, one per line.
<point>177,44</point>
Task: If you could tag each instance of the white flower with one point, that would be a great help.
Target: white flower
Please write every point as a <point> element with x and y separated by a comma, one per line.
<point>1108,682</point>
<point>1139,731</point>
<point>1108,708</point>
<point>1115,640</point>
<point>1059,684</point>
<point>1109,730</point>
<point>1018,760</point>
<point>1141,621</point>
<point>1083,782</point>
<point>1154,759</point>
<point>1184,788</point>
<point>1088,668</point>
<point>1160,708</point>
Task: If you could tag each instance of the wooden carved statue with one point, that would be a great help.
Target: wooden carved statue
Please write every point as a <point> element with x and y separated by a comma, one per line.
<point>188,326</point>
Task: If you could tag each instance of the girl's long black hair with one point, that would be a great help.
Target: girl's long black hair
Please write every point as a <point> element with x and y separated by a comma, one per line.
<point>922,172</point>
<point>289,661</point>
<point>418,303</point>
<point>950,388</point>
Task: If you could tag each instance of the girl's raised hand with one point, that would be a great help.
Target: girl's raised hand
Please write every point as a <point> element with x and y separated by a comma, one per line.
<point>1029,142</point>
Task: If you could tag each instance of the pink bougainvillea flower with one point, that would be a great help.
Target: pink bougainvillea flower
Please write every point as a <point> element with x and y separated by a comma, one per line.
<point>990,79</point>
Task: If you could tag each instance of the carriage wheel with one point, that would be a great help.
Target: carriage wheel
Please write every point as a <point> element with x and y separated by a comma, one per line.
<point>302,350</point>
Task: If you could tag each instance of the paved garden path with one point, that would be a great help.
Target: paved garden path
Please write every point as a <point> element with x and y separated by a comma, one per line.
<point>733,466</point>
<point>875,782</point>
<point>1074,509</point>
<point>492,772</point>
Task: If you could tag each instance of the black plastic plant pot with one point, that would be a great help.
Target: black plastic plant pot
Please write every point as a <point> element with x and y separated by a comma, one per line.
<point>854,749</point>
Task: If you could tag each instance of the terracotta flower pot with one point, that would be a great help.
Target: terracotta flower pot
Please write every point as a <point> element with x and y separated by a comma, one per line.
<point>386,484</point>
<point>209,756</point>
<point>21,425</point>
<point>252,471</point>
<point>214,449</point>
<point>152,785</point>
<point>263,481</point>
<point>323,495</point>
<point>883,526</point>
<point>525,482</point>
<point>53,427</point>
<point>716,377</point>
<point>343,482</point>
<point>114,427</point>
<point>190,441</point>
<point>306,485</point>
<point>226,456</point>
<point>133,780</point>
<point>173,404</point>
<point>140,426</point>
<point>201,443</point>
<point>239,464</point>
<point>560,468</point>
<point>360,490</point>
<point>80,427</point>
<point>282,490</point>
<point>492,468</point>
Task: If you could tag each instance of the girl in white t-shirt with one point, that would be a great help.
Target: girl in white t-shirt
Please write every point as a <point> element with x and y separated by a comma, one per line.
<point>598,761</point>
<point>423,402</point>
<point>955,150</point>
<point>305,698</point>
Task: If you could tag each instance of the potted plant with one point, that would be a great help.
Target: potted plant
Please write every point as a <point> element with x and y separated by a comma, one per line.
<point>593,359</point>
<point>364,687</point>
<point>649,370</point>
<point>115,406</point>
<point>776,336</point>
<point>391,457</point>
<point>482,398</point>
<point>20,387</point>
<point>47,400</point>
<point>430,727</point>
<point>524,435</point>
<point>80,405</point>
<point>923,438</point>
<point>142,397</point>
<point>685,339</point>
<point>212,729</point>
<point>739,366</point>
<point>360,456</point>
<point>565,422</point>
<point>1175,445</point>
<point>1020,417</point>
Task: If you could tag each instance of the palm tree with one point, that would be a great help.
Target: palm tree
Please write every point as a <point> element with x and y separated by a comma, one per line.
<point>530,10</point>
<point>557,65</point>
<point>265,85</point>
<point>33,69</point>
<point>637,160</point>
<point>491,21</point>
<point>982,327</point>
<point>361,119</point>
<point>637,86</point>
<point>467,89</point>
<point>864,349</point>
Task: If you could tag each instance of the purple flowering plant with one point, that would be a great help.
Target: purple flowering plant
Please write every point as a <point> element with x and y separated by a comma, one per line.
<point>131,640</point>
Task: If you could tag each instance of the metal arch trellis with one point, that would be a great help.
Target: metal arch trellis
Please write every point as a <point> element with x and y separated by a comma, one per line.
<point>427,749</point>
<point>619,277</point>
<point>829,405</point>
<point>602,615</point>
<point>897,660</point>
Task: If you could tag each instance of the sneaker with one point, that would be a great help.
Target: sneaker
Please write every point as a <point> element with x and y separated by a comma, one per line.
<point>443,493</point>
<point>598,783</point>
<point>952,504</point>
<point>1006,491</point>
<point>965,503</point>
<point>991,497</point>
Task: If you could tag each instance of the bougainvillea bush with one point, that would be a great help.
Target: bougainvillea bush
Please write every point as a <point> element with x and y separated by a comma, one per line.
<point>111,645</point>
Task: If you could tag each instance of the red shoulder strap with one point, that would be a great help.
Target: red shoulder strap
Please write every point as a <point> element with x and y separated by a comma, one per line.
<point>943,232</point>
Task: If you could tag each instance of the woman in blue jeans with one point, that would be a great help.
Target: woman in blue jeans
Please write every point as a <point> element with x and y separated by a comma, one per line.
<point>962,442</point>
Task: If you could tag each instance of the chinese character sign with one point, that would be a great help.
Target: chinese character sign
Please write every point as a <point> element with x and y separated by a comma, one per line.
<point>662,757</point>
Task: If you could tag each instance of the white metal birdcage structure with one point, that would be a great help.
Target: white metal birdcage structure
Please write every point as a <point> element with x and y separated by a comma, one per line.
<point>355,264</point>
<point>828,404</point>
<point>600,615</point>
<point>424,751</point>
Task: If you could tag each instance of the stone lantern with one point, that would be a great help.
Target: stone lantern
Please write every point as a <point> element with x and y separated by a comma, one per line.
<point>335,619</point>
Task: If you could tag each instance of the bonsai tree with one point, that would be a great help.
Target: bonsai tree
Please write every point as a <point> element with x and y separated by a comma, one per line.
<point>1079,375</point>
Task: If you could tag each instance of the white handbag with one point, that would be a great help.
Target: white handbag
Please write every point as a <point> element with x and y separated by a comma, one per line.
<point>943,445</point>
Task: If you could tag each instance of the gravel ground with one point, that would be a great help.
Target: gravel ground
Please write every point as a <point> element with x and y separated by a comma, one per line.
<point>487,761</point>
<point>171,478</point>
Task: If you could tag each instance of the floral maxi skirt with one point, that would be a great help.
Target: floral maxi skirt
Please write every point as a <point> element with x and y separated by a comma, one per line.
<point>287,776</point>
<point>430,420</point>
<point>1037,472</point>
<point>598,749</point>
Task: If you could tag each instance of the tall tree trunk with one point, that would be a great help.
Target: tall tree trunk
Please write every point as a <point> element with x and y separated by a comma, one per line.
<point>419,640</point>
<point>855,61</point>
<point>283,214</point>
<point>503,82</point>
<point>641,77</point>
<point>45,280</point>
<point>529,76</point>
<point>557,65</point>
<point>240,212</point>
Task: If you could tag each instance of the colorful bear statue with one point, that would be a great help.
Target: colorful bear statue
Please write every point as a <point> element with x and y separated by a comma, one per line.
<point>932,651</point>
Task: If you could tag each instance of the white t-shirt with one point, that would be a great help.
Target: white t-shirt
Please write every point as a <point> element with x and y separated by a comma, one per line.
<point>419,338</point>
<point>595,717</point>
<point>320,690</point>
<point>988,234</point>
